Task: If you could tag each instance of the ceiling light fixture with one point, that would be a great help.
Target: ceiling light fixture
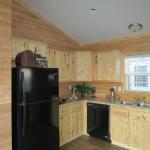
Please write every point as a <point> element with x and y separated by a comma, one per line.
<point>135,27</point>
<point>92,11</point>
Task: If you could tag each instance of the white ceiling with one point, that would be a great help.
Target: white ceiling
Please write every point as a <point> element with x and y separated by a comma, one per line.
<point>111,20</point>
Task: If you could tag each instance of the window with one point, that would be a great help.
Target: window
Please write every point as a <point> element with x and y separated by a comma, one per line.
<point>137,71</point>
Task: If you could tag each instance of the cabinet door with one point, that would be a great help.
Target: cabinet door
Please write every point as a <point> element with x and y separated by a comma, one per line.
<point>64,124</point>
<point>83,66</point>
<point>71,121</point>
<point>77,119</point>
<point>19,45</point>
<point>64,127</point>
<point>140,130</point>
<point>64,60</point>
<point>107,66</point>
<point>120,126</point>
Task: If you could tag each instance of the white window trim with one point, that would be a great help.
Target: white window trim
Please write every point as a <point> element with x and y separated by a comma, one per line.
<point>125,73</point>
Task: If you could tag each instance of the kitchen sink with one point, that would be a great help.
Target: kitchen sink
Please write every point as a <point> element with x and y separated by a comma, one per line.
<point>144,106</point>
<point>135,104</point>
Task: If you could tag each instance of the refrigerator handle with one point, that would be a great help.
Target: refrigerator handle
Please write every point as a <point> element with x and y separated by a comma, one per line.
<point>23,129</point>
<point>22,79</point>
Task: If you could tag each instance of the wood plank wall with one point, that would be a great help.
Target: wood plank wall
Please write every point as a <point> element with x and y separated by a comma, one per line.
<point>134,44</point>
<point>30,25</point>
<point>5,74</point>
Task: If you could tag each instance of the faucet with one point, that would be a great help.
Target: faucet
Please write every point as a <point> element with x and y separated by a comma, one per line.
<point>140,100</point>
<point>73,94</point>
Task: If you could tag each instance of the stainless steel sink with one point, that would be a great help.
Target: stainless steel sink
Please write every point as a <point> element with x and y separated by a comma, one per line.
<point>145,106</point>
<point>128,103</point>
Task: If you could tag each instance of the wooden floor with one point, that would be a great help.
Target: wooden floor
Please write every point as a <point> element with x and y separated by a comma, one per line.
<point>87,143</point>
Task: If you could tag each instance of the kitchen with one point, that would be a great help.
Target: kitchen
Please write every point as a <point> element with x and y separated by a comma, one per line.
<point>22,28</point>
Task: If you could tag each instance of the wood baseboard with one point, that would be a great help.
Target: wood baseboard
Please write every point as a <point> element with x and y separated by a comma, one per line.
<point>71,139</point>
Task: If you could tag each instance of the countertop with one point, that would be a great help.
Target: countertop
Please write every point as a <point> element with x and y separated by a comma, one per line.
<point>102,101</point>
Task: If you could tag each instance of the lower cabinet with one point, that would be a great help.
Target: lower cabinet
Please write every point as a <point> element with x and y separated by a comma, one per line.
<point>71,121</point>
<point>130,128</point>
<point>140,129</point>
<point>120,126</point>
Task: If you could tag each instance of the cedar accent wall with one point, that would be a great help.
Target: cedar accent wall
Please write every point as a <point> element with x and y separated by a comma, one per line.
<point>30,25</point>
<point>5,74</point>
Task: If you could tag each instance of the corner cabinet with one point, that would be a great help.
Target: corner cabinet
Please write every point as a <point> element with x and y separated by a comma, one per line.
<point>119,126</point>
<point>83,66</point>
<point>71,121</point>
<point>107,66</point>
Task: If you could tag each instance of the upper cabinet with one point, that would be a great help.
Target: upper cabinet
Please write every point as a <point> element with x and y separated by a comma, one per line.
<point>75,65</point>
<point>19,45</point>
<point>83,66</point>
<point>64,60</point>
<point>106,66</point>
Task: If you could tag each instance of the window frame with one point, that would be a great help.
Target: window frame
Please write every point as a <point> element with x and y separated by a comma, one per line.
<point>125,74</point>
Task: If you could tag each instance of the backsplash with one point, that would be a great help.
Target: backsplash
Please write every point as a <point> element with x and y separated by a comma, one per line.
<point>102,89</point>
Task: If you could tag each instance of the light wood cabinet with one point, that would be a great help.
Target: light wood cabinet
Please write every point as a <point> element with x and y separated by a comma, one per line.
<point>140,129</point>
<point>83,66</point>
<point>64,60</point>
<point>106,65</point>
<point>19,45</point>
<point>130,128</point>
<point>71,121</point>
<point>119,126</point>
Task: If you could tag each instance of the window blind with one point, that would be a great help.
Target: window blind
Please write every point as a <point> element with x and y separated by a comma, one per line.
<point>137,72</point>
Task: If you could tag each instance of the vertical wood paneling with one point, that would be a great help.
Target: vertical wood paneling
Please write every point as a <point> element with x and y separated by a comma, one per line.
<point>5,127</point>
<point>5,74</point>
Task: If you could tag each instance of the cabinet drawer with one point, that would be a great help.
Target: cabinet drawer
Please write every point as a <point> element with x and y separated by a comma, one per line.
<point>120,112</point>
<point>140,115</point>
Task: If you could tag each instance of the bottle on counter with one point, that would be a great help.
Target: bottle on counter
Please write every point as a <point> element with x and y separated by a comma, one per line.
<point>112,95</point>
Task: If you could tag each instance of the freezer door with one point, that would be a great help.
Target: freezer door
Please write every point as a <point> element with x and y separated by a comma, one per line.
<point>38,126</point>
<point>38,84</point>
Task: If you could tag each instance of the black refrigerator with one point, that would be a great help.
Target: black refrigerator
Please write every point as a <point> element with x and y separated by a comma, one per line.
<point>35,109</point>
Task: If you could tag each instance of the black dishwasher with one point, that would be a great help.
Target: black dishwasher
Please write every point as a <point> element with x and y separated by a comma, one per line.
<point>98,121</point>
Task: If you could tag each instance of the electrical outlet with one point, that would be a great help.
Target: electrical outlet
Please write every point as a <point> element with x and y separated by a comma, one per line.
<point>119,88</point>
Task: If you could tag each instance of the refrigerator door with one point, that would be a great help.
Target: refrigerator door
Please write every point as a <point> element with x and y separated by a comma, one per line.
<point>38,84</point>
<point>38,126</point>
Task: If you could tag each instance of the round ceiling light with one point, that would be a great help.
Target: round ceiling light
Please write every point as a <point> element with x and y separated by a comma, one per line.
<point>92,11</point>
<point>135,27</point>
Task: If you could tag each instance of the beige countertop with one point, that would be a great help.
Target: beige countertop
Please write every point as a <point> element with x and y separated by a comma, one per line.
<point>101,101</point>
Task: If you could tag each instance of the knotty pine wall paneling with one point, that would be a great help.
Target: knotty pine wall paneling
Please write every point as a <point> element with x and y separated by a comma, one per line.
<point>5,74</point>
<point>28,24</point>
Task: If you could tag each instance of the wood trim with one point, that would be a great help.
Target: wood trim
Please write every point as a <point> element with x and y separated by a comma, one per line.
<point>71,139</point>
<point>120,144</point>
<point>138,43</point>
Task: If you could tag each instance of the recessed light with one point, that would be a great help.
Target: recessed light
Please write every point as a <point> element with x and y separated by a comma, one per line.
<point>135,27</point>
<point>92,11</point>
